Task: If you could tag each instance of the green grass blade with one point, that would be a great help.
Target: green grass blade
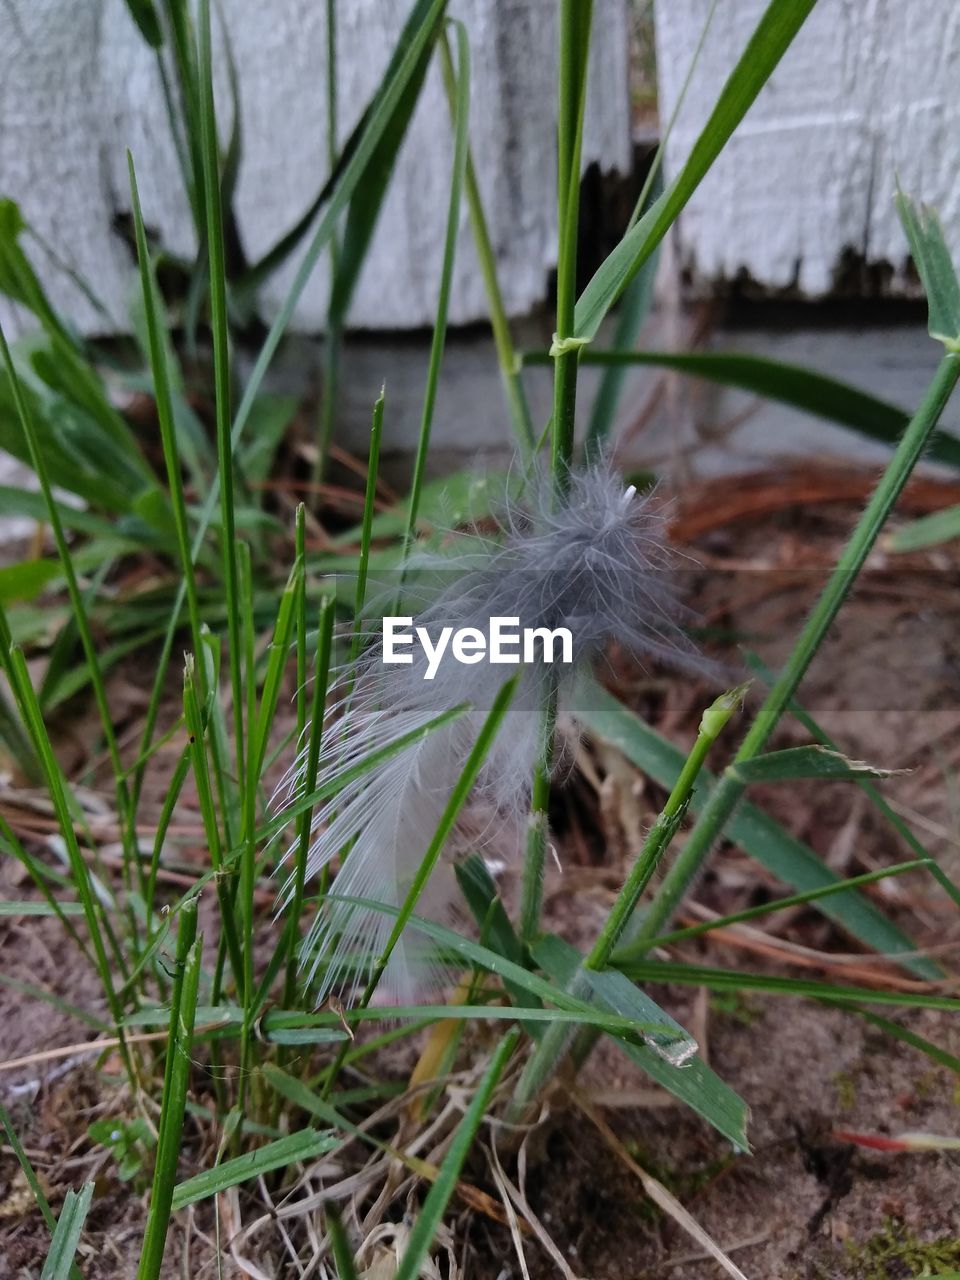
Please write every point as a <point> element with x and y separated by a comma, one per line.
<point>461,142</point>
<point>339,1244</point>
<point>693,1082</point>
<point>298,1147</point>
<point>928,531</point>
<point>627,951</point>
<point>176,1081</point>
<point>221,365</point>
<point>320,685</point>
<point>771,39</point>
<point>757,834</point>
<point>148,23</point>
<point>99,929</point>
<point>633,312</point>
<point>486,258</point>
<point>426,13</point>
<point>804,762</point>
<point>32,1181</point>
<point>438,1197</point>
<point>208,813</point>
<point>367,200</point>
<point>789,384</point>
<point>716,979</point>
<point>162,391</point>
<point>906,1036</point>
<point>59,1264</point>
<point>369,500</point>
<point>32,908</point>
<point>81,619</point>
<point>932,260</point>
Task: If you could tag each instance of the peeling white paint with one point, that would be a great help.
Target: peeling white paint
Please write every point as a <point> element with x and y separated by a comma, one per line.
<point>867,90</point>
<point>78,86</point>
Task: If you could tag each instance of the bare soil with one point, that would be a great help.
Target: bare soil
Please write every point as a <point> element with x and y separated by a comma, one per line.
<point>808,1202</point>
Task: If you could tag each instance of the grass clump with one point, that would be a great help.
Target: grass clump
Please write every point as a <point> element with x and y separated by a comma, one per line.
<point>222,1051</point>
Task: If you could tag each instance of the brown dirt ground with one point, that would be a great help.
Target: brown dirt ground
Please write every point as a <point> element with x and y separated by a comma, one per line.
<point>804,1204</point>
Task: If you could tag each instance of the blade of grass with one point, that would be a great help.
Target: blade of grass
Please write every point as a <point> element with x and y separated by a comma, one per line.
<point>756,832</point>
<point>438,1197</point>
<point>333,340</point>
<point>627,951</point>
<point>98,924</point>
<point>369,501</point>
<point>780,23</point>
<point>461,116</point>
<point>800,388</point>
<point>638,295</point>
<point>575,25</point>
<point>208,813</point>
<point>543,1062</point>
<point>295,1148</point>
<point>38,462</point>
<point>503,342</point>
<point>32,1181</point>
<point>59,1263</point>
<point>321,683</point>
<point>339,1244</point>
<point>221,366</point>
<point>176,1080</point>
<point>692,1081</point>
<point>716,979</point>
<point>157,346</point>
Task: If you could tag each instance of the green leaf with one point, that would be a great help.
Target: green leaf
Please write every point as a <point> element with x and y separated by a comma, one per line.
<point>789,384</point>
<point>771,39</point>
<point>756,832</point>
<point>445,503</point>
<point>663,1034</point>
<point>805,762</point>
<point>353,164</point>
<point>438,1197</point>
<point>18,280</point>
<point>63,1247</point>
<point>176,1079</point>
<point>367,199</point>
<point>298,1147</point>
<point>929,531</point>
<point>31,506</point>
<point>693,1082</point>
<point>932,260</point>
<point>739,980</point>
<point>26,579</point>
<point>34,908</point>
<point>342,1255</point>
<point>145,16</point>
<point>269,418</point>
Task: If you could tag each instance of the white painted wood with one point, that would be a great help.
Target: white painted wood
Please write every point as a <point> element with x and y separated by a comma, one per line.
<point>78,86</point>
<point>868,89</point>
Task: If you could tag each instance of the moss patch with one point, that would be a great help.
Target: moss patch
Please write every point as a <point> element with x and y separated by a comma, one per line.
<point>896,1253</point>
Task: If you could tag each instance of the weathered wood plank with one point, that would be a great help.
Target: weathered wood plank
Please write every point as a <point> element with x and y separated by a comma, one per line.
<point>78,86</point>
<point>867,90</point>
